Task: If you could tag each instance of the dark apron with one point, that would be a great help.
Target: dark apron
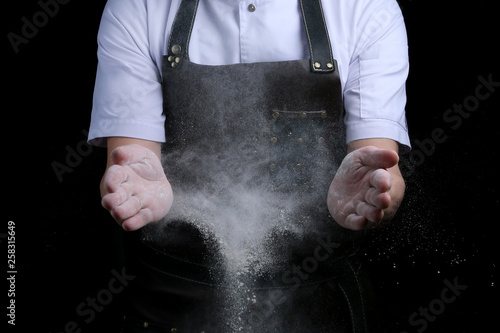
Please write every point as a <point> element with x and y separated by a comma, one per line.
<point>251,151</point>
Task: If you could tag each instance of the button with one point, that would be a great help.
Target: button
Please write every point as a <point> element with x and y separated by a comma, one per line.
<point>274,139</point>
<point>176,49</point>
<point>276,114</point>
<point>300,140</point>
<point>251,7</point>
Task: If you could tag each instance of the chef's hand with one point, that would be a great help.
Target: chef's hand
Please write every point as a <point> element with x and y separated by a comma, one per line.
<point>134,187</point>
<point>367,188</point>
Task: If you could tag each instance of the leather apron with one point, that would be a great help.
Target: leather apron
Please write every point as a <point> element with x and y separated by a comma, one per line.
<point>251,151</point>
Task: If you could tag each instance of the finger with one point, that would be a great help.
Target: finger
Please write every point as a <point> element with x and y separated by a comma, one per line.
<point>377,199</point>
<point>381,180</point>
<point>355,222</point>
<point>110,201</point>
<point>116,184</point>
<point>371,213</point>
<point>377,158</point>
<point>114,177</point>
<point>137,221</point>
<point>114,199</point>
<point>127,209</point>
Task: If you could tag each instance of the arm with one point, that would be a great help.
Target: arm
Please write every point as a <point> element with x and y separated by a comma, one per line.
<point>134,187</point>
<point>368,186</point>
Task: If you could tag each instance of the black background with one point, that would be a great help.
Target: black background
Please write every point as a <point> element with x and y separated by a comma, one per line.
<point>445,229</point>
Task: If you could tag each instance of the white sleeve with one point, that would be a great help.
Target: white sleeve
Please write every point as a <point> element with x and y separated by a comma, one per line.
<point>128,94</point>
<point>375,92</point>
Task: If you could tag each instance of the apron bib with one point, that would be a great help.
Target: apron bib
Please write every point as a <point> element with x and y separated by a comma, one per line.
<point>251,150</point>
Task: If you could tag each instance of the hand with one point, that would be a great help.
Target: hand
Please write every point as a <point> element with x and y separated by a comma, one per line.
<point>135,188</point>
<point>359,192</point>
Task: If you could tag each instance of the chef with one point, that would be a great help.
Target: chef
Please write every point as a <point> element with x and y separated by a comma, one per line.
<point>314,90</point>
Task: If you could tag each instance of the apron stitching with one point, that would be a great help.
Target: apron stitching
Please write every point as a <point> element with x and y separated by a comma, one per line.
<point>350,307</point>
<point>359,289</point>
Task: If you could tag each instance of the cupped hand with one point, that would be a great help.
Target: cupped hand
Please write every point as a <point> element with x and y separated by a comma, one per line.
<point>359,192</point>
<point>135,189</point>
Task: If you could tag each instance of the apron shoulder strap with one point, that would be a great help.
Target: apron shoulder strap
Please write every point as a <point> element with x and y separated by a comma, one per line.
<point>180,34</point>
<point>312,13</point>
<point>317,36</point>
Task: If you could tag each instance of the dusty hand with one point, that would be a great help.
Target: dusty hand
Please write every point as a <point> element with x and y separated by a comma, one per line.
<point>359,191</point>
<point>136,190</point>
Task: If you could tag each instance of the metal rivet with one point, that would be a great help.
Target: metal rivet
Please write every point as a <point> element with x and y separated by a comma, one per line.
<point>173,64</point>
<point>300,140</point>
<point>173,330</point>
<point>170,58</point>
<point>177,59</point>
<point>176,49</point>
<point>272,166</point>
<point>146,324</point>
<point>298,166</point>
<point>274,139</point>
<point>329,65</point>
<point>323,114</point>
<point>317,65</point>
<point>303,115</point>
<point>276,114</point>
<point>321,139</point>
<point>251,7</point>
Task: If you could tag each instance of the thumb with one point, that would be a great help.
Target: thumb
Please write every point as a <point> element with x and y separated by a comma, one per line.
<point>128,154</point>
<point>377,158</point>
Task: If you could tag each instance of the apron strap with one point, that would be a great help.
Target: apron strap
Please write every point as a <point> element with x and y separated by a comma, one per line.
<point>180,34</point>
<point>312,13</point>
<point>317,36</point>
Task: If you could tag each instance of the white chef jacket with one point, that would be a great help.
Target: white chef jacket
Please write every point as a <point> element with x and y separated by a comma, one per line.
<point>368,39</point>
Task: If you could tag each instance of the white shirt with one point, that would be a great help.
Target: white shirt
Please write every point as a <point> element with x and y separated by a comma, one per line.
<point>368,39</point>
